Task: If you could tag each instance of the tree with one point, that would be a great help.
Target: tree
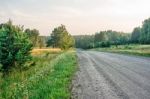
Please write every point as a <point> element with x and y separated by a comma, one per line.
<point>136,35</point>
<point>41,42</point>
<point>60,38</point>
<point>100,37</point>
<point>14,47</point>
<point>84,41</point>
<point>145,32</point>
<point>33,36</point>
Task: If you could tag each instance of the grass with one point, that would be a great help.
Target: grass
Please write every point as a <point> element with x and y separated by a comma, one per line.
<point>133,49</point>
<point>37,51</point>
<point>50,78</point>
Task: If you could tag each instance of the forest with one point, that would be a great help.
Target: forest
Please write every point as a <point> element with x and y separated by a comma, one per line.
<point>139,35</point>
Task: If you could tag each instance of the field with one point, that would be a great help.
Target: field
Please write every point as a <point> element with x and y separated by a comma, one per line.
<point>133,49</point>
<point>37,51</point>
<point>48,78</point>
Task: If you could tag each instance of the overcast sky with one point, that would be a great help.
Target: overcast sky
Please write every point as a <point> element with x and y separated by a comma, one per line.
<point>79,16</point>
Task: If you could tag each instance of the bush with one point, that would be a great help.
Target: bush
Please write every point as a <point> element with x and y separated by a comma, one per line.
<point>14,47</point>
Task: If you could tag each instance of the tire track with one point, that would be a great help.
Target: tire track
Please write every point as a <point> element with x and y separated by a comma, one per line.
<point>139,79</point>
<point>114,86</point>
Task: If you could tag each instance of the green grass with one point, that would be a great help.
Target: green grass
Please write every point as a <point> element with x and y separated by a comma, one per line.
<point>50,78</point>
<point>133,49</point>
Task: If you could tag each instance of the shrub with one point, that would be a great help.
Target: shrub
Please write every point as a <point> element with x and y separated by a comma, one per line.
<point>14,46</point>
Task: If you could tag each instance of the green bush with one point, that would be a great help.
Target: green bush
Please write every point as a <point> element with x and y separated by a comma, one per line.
<point>14,46</point>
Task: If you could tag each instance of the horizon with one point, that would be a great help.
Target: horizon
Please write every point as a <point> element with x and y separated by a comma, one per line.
<point>81,17</point>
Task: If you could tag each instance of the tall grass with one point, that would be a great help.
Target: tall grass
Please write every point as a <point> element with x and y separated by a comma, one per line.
<point>48,79</point>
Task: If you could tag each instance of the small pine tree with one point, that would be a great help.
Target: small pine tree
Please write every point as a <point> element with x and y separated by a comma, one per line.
<point>14,47</point>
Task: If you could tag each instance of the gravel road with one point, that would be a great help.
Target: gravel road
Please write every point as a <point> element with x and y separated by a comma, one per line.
<point>111,76</point>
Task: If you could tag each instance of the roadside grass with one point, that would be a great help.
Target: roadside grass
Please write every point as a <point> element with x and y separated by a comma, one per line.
<point>133,49</point>
<point>50,78</point>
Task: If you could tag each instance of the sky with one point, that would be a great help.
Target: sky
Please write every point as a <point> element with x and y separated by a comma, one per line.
<point>79,16</point>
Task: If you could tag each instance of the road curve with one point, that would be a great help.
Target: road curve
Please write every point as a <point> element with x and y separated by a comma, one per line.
<point>111,76</point>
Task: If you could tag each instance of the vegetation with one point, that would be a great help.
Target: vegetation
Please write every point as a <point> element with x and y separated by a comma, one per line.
<point>37,51</point>
<point>33,36</point>
<point>14,47</point>
<point>142,35</point>
<point>133,49</point>
<point>102,39</point>
<point>60,38</point>
<point>46,72</point>
<point>84,41</point>
<point>39,73</point>
<point>49,79</point>
<point>135,37</point>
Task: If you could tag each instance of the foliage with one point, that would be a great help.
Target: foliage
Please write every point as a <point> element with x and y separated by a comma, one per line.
<point>84,41</point>
<point>33,36</point>
<point>136,35</point>
<point>102,39</point>
<point>142,34</point>
<point>102,44</point>
<point>145,32</point>
<point>133,49</point>
<point>60,38</point>
<point>41,42</point>
<point>49,79</point>
<point>14,46</point>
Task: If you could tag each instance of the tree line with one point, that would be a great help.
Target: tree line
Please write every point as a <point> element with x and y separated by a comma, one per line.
<point>140,35</point>
<point>102,39</point>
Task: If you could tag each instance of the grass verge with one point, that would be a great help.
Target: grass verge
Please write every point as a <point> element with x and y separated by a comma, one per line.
<point>49,79</point>
<point>140,50</point>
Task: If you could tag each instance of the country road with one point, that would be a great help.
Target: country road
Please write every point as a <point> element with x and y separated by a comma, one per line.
<point>111,76</point>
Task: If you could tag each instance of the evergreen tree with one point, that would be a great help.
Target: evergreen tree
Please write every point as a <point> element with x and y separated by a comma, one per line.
<point>14,47</point>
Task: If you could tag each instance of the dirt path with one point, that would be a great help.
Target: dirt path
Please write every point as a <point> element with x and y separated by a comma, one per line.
<point>111,76</point>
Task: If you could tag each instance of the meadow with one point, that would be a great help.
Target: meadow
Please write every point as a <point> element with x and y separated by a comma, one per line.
<point>48,78</point>
<point>133,49</point>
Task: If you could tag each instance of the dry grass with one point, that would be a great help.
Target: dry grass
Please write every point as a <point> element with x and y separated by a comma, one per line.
<point>37,51</point>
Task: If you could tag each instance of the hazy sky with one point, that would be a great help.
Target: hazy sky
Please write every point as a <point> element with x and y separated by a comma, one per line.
<point>79,16</point>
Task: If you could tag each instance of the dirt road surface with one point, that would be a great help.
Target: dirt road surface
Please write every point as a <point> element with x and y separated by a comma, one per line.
<point>111,76</point>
